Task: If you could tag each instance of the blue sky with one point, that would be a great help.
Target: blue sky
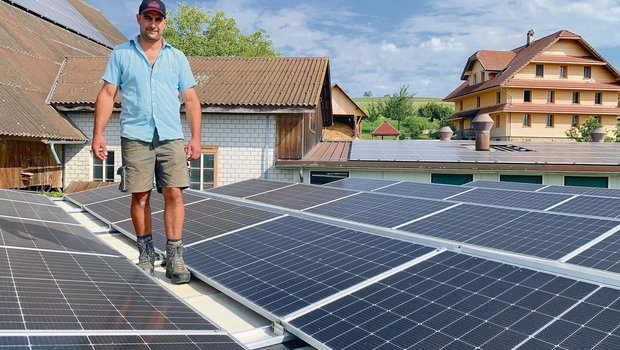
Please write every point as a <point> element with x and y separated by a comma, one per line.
<point>379,46</point>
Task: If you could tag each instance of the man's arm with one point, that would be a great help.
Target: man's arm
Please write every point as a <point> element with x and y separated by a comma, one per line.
<point>103,111</point>
<point>194,119</point>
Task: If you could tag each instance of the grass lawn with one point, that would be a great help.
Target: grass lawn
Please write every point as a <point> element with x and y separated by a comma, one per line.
<point>363,102</point>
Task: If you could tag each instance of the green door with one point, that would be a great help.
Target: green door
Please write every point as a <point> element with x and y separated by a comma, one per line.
<point>586,181</point>
<point>451,179</point>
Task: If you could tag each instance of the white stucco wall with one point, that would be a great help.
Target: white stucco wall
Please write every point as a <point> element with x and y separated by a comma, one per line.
<point>246,147</point>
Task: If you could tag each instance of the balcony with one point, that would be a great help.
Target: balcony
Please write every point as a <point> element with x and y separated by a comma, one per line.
<point>465,134</point>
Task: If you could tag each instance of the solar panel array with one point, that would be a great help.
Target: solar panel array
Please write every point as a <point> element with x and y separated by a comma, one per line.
<point>341,286</point>
<point>63,13</point>
<point>62,287</point>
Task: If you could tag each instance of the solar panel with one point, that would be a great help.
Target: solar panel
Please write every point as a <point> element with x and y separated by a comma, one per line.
<point>514,199</point>
<point>287,264</point>
<point>248,188</point>
<point>48,290</point>
<point>62,12</point>
<point>359,184</point>
<point>96,195</point>
<point>24,196</point>
<point>33,211</point>
<point>604,255</point>
<point>604,192</point>
<point>48,235</point>
<point>595,206</point>
<point>566,189</point>
<point>300,196</point>
<point>378,209</point>
<point>203,220</point>
<point>122,341</point>
<point>505,185</point>
<point>424,190</point>
<point>449,301</point>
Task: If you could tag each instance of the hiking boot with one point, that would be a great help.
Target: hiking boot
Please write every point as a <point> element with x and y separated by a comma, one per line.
<point>175,267</point>
<point>146,260</point>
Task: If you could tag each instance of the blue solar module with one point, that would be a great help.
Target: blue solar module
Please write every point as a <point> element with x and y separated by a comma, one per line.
<point>505,185</point>
<point>204,219</point>
<point>424,190</point>
<point>287,264</point>
<point>604,255</point>
<point>450,301</point>
<point>359,184</point>
<point>25,210</point>
<point>248,188</point>
<point>541,234</point>
<point>300,196</point>
<point>96,195</point>
<point>604,192</point>
<point>513,199</point>
<point>594,206</point>
<point>566,189</point>
<point>63,13</point>
<point>121,341</point>
<point>23,196</point>
<point>379,210</point>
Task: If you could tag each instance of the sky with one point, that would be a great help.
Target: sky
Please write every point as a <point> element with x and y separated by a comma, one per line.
<point>379,46</point>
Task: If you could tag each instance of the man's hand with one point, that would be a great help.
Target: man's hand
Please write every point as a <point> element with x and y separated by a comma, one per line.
<point>99,148</point>
<point>194,149</point>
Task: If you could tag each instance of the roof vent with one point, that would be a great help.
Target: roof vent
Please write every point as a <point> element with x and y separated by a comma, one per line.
<point>510,148</point>
<point>530,35</point>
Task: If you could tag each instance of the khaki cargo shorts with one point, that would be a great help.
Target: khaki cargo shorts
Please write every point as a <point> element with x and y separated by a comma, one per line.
<point>162,161</point>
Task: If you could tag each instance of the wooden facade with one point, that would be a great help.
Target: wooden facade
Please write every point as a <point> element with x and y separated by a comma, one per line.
<point>28,163</point>
<point>297,134</point>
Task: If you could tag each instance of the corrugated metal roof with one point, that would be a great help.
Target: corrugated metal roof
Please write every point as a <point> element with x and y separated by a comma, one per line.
<point>31,53</point>
<point>330,151</point>
<point>276,82</point>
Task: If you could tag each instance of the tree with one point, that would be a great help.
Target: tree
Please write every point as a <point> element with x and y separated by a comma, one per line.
<point>399,106</point>
<point>374,111</point>
<point>438,114</point>
<point>200,33</point>
<point>368,93</point>
<point>581,133</point>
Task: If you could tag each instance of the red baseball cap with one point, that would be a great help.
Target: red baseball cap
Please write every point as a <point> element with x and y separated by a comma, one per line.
<point>152,5</point>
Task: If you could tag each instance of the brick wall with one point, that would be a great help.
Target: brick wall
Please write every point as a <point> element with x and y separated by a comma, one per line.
<point>246,147</point>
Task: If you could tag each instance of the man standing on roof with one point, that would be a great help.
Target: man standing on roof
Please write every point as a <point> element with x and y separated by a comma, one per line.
<point>150,75</point>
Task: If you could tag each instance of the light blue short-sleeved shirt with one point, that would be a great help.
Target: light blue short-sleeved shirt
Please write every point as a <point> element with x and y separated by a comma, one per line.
<point>150,94</point>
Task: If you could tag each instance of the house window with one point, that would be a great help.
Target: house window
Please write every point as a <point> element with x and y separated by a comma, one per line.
<point>575,96</point>
<point>540,70</point>
<point>563,72</point>
<point>477,101</point>
<point>451,179</point>
<point>598,98</point>
<point>311,121</point>
<point>598,119</point>
<point>498,97</point>
<point>202,170</point>
<point>549,120</point>
<point>482,77</point>
<point>527,120</point>
<point>460,105</point>
<point>587,72</point>
<point>475,79</point>
<point>527,96</point>
<point>528,179</point>
<point>550,97</point>
<point>324,177</point>
<point>103,170</point>
<point>587,181</point>
<point>496,119</point>
<point>574,121</point>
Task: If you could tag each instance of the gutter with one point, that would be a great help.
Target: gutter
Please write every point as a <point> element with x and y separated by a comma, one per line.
<point>58,142</point>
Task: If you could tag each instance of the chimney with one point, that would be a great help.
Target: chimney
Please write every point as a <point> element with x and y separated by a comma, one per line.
<point>598,134</point>
<point>482,128</point>
<point>530,35</point>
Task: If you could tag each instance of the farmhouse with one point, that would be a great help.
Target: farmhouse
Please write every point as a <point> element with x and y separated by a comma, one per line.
<point>537,91</point>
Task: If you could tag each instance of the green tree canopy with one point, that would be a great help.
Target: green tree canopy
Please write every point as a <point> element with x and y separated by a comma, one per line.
<point>200,33</point>
<point>581,133</point>
<point>398,107</point>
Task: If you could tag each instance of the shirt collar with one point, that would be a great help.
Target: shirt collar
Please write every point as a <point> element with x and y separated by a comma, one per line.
<point>134,41</point>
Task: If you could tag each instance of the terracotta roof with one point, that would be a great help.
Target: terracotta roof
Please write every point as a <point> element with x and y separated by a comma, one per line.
<point>385,129</point>
<point>274,82</point>
<point>524,55</point>
<point>549,108</point>
<point>494,60</point>
<point>331,151</point>
<point>31,53</point>
<point>563,84</point>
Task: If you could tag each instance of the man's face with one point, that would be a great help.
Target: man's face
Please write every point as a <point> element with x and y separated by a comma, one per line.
<point>152,25</point>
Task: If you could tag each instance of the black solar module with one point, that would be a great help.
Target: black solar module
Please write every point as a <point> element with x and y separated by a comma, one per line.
<point>62,12</point>
<point>604,192</point>
<point>121,341</point>
<point>505,185</point>
<point>379,209</point>
<point>50,235</point>
<point>287,264</point>
<point>248,188</point>
<point>595,206</point>
<point>96,195</point>
<point>359,184</point>
<point>424,190</point>
<point>24,196</point>
<point>514,199</point>
<point>300,196</point>
<point>453,301</point>
<point>204,219</point>
<point>566,189</point>
<point>25,210</point>
<point>604,255</point>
